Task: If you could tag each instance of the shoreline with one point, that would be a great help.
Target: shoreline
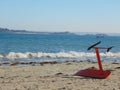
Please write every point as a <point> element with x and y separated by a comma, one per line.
<point>41,63</point>
<point>57,76</point>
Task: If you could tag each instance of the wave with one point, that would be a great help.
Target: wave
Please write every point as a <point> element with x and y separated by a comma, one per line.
<point>71,54</point>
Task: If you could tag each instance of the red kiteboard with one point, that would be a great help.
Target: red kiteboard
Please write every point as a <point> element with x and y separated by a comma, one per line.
<point>93,72</point>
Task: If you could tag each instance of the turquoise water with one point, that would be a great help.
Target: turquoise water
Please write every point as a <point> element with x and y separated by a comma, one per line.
<point>37,47</point>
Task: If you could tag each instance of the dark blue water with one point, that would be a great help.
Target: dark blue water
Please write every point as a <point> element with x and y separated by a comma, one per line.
<point>22,46</point>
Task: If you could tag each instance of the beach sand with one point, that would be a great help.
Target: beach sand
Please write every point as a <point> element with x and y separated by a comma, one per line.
<point>57,77</point>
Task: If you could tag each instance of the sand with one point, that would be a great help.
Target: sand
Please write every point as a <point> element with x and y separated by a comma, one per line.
<point>57,77</point>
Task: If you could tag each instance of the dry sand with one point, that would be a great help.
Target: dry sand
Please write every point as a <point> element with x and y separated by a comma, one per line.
<point>57,77</point>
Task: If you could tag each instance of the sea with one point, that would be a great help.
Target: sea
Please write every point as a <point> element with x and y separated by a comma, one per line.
<point>60,47</point>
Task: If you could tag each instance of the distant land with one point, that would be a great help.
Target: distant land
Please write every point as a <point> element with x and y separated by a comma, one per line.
<point>6,30</point>
<point>11,31</point>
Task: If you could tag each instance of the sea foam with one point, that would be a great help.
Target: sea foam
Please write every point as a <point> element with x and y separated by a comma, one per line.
<point>71,54</point>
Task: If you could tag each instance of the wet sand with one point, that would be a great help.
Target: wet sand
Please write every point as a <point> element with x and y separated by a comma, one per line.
<point>57,77</point>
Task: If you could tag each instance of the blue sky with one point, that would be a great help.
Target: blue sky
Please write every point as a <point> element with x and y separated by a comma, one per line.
<point>61,15</point>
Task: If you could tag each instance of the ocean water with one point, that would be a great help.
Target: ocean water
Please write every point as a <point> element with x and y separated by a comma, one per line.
<point>56,47</point>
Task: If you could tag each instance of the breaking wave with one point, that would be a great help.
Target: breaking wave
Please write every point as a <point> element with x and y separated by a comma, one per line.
<point>71,54</point>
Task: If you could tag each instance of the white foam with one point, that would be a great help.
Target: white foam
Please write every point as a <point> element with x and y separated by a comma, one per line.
<point>13,55</point>
<point>71,54</point>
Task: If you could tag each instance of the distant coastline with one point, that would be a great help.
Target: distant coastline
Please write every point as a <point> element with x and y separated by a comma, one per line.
<point>97,34</point>
<point>6,30</point>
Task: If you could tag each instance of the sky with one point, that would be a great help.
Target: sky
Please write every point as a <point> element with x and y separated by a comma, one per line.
<point>61,15</point>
